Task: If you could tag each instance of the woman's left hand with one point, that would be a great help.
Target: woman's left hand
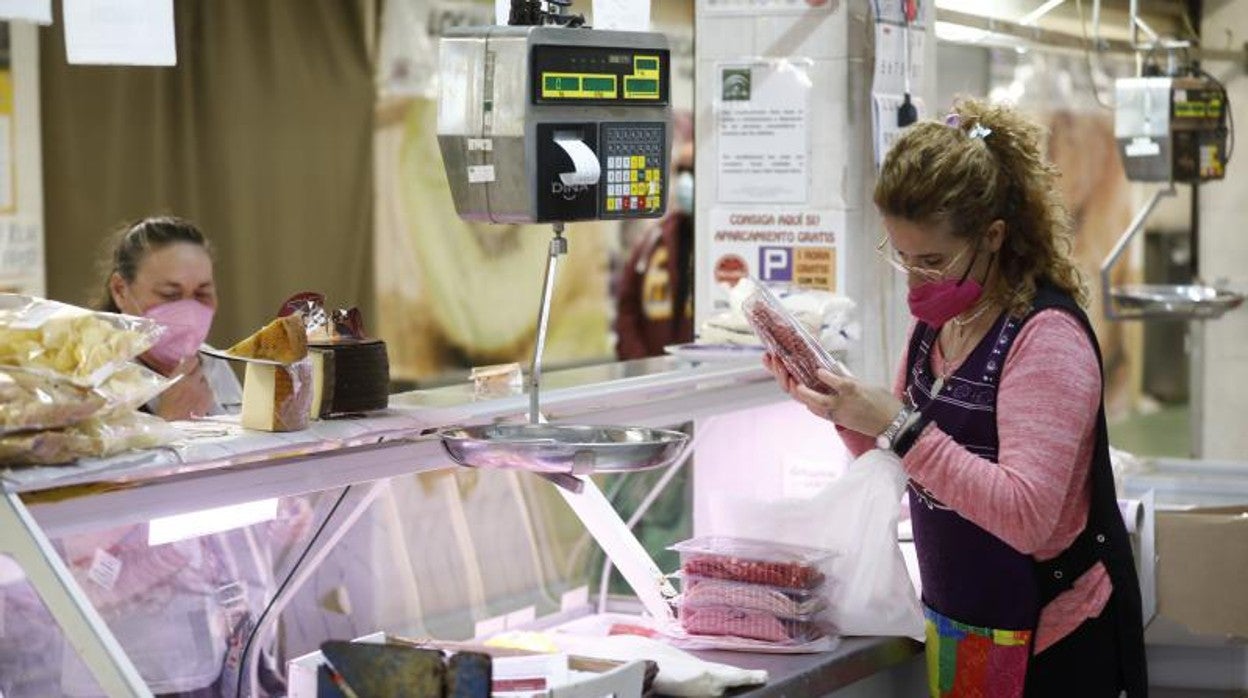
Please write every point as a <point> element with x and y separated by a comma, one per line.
<point>866,409</point>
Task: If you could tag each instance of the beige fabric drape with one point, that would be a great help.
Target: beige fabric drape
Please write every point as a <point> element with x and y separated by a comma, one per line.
<point>262,135</point>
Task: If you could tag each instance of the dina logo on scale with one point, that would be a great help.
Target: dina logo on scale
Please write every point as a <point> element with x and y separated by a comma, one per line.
<point>568,192</point>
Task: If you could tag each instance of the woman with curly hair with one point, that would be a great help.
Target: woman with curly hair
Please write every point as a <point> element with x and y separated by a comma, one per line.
<point>1029,586</point>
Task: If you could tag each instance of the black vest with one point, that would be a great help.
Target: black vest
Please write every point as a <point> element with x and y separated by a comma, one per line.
<point>1104,539</point>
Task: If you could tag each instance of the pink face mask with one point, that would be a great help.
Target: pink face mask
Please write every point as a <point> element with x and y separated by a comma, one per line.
<point>937,302</point>
<point>186,326</point>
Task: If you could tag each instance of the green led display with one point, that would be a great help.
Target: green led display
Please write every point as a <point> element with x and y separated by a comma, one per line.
<point>598,85</point>
<point>642,85</point>
<point>554,83</point>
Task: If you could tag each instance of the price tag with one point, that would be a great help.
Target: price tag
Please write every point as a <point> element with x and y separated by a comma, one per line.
<point>105,569</point>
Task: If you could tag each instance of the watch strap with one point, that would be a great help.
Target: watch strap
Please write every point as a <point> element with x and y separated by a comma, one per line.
<point>910,434</point>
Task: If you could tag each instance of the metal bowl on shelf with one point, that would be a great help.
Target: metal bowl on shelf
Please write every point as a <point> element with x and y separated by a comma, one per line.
<point>1178,301</point>
<point>556,448</point>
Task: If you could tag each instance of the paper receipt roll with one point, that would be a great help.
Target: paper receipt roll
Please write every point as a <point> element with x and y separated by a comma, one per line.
<point>1132,513</point>
<point>586,162</point>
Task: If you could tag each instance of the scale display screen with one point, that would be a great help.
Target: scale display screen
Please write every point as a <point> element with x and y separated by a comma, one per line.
<point>598,75</point>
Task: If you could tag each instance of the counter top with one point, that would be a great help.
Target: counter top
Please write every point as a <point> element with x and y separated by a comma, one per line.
<point>218,463</point>
<point>854,659</point>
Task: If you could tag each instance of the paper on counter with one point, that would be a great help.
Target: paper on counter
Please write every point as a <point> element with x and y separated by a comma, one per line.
<point>37,11</point>
<point>119,32</point>
<point>680,673</point>
<point>622,15</point>
<point>588,169</point>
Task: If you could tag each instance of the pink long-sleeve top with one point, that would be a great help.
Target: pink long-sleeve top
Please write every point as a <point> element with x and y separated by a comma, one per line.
<point>1036,497</point>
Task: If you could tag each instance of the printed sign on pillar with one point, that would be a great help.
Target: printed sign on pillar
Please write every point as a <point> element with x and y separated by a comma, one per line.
<point>762,132</point>
<point>795,247</point>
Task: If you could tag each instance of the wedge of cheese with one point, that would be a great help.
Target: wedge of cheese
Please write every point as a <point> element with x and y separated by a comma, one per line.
<point>277,398</point>
<point>284,340</point>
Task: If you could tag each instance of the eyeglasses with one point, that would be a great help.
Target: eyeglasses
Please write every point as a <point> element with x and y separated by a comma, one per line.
<point>894,258</point>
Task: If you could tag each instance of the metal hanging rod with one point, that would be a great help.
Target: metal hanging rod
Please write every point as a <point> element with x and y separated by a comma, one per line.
<point>1030,35</point>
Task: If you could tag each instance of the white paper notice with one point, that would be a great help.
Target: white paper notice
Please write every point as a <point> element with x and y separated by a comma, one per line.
<point>480,174</point>
<point>120,32</point>
<point>588,169</point>
<point>38,11</point>
<point>622,15</point>
<point>892,11</point>
<point>763,132</point>
<point>21,255</point>
<point>502,12</point>
<point>888,77</point>
<point>793,247</point>
<point>757,7</point>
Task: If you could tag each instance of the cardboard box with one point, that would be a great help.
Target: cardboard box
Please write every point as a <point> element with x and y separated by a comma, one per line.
<point>1202,566</point>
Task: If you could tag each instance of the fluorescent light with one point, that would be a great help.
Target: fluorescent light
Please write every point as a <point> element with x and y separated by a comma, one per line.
<point>1032,17</point>
<point>171,529</point>
<point>959,34</point>
<point>975,7</point>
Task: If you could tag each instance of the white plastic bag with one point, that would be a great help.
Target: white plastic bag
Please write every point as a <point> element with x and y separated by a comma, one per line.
<point>869,590</point>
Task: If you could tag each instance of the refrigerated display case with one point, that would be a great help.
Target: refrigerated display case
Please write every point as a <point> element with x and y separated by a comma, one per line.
<point>415,544</point>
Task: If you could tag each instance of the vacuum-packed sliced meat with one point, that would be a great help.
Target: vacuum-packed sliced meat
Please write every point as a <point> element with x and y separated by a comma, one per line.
<point>751,625</point>
<point>783,603</point>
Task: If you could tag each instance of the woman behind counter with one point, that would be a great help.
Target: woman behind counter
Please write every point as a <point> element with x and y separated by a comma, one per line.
<point>161,268</point>
<point>1029,585</point>
<point>178,608</point>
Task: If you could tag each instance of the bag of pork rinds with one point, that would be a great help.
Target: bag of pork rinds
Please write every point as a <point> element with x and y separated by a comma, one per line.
<point>81,346</point>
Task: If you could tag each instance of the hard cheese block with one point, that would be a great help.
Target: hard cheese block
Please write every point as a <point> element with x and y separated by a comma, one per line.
<point>284,340</point>
<point>277,398</point>
<point>353,376</point>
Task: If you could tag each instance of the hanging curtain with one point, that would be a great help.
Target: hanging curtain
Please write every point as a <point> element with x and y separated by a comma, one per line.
<point>262,135</point>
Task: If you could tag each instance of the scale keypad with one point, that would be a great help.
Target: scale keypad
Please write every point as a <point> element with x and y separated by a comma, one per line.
<point>634,163</point>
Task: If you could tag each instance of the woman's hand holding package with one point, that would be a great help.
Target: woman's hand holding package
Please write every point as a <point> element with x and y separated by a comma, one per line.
<point>189,397</point>
<point>853,405</point>
<point>866,409</point>
<point>785,379</point>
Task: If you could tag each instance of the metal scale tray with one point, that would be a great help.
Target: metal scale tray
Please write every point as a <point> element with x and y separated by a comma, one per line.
<point>568,449</point>
<point>1182,301</point>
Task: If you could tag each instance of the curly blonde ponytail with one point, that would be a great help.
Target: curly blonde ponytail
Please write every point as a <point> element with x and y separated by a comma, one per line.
<point>950,173</point>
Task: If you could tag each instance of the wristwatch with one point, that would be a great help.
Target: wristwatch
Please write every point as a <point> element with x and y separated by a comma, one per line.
<point>888,438</point>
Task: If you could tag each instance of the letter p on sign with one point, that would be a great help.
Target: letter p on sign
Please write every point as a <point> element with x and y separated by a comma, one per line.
<point>775,263</point>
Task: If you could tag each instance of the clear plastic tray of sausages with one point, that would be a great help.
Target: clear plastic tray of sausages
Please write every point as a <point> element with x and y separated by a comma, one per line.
<point>752,561</point>
<point>786,338</point>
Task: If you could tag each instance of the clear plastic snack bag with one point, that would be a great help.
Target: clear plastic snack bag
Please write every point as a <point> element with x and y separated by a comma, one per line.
<point>93,438</point>
<point>33,401</point>
<point>82,346</point>
<point>132,386</point>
